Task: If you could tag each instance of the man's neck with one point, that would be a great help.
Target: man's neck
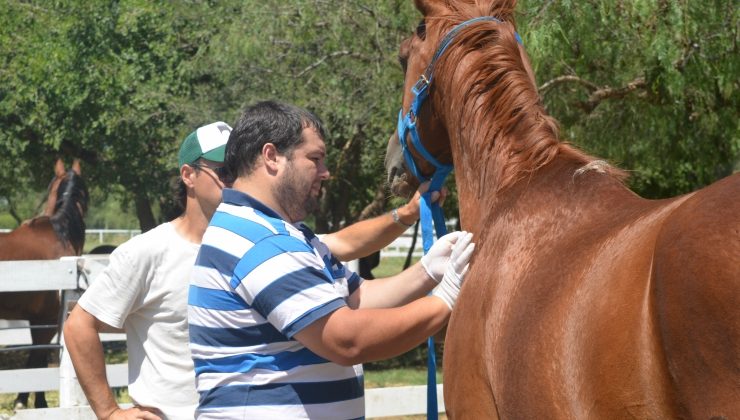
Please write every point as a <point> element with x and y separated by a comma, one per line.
<point>192,224</point>
<point>262,194</point>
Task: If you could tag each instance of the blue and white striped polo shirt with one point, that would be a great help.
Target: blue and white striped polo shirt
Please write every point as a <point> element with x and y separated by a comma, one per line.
<point>257,281</point>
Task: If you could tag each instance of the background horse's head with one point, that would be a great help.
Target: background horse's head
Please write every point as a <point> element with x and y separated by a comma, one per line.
<point>67,204</point>
<point>441,115</point>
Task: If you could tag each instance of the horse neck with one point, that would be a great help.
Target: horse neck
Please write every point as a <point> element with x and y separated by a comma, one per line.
<point>564,192</point>
<point>35,239</point>
<point>491,159</point>
<point>500,135</point>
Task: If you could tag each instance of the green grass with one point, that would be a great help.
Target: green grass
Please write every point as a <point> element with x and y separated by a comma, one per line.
<point>397,377</point>
<point>390,266</point>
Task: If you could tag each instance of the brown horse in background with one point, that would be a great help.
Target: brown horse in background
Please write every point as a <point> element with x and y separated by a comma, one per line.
<point>59,232</point>
<point>583,300</point>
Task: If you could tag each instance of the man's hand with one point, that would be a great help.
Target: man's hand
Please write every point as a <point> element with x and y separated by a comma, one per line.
<point>447,263</point>
<point>135,413</point>
<point>408,214</point>
<point>435,262</point>
<point>457,267</point>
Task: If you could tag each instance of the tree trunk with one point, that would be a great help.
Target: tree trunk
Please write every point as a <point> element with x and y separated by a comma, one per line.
<point>377,206</point>
<point>144,211</point>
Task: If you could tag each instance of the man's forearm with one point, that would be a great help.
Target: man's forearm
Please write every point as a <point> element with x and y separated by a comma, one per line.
<point>86,351</point>
<point>394,291</point>
<point>350,336</point>
<point>367,236</point>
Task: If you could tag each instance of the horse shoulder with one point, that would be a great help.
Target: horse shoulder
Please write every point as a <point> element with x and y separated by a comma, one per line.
<point>697,288</point>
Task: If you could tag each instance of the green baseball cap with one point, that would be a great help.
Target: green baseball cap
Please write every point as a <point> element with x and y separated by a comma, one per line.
<point>207,142</point>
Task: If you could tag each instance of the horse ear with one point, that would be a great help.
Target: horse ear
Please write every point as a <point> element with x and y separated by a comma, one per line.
<point>59,168</point>
<point>76,167</point>
<point>430,7</point>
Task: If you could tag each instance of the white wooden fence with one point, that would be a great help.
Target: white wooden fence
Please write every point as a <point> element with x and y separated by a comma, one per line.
<point>398,248</point>
<point>70,275</point>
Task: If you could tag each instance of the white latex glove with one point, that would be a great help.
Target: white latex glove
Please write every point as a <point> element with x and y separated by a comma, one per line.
<point>457,267</point>
<point>435,261</point>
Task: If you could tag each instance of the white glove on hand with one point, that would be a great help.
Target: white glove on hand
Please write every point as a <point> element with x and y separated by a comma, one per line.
<point>457,267</point>
<point>435,261</point>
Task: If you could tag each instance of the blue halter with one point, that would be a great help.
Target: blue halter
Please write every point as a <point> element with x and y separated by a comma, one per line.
<point>430,213</point>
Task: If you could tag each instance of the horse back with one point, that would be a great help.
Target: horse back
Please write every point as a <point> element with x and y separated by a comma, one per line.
<point>696,282</point>
<point>34,240</point>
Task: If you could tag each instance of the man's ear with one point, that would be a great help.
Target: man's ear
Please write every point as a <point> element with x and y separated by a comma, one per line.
<point>187,174</point>
<point>270,157</point>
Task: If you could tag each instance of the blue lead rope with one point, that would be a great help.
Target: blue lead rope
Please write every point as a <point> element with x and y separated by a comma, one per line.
<point>431,214</point>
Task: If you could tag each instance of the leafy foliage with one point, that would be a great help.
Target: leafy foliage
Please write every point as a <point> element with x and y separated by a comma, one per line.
<point>97,80</point>
<point>677,133</point>
<point>337,59</point>
<point>650,84</point>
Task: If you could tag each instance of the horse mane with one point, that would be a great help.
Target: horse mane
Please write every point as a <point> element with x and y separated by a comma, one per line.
<point>68,219</point>
<point>498,108</point>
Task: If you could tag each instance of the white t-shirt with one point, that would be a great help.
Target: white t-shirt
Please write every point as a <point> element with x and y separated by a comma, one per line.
<point>144,290</point>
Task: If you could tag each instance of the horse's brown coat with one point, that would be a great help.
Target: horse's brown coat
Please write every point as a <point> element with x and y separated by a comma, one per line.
<point>583,300</point>
<point>36,239</point>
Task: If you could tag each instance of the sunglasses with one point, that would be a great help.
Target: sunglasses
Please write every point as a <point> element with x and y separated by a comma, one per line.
<point>221,171</point>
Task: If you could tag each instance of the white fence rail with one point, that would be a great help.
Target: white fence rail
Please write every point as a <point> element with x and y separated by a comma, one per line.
<point>99,235</point>
<point>398,248</point>
<point>71,273</point>
<point>102,236</point>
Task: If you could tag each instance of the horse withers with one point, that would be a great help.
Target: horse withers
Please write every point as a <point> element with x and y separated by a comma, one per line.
<point>583,300</point>
<point>59,232</point>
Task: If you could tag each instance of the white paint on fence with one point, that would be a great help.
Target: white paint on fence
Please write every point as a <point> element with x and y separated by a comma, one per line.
<point>399,401</point>
<point>16,334</point>
<point>20,276</point>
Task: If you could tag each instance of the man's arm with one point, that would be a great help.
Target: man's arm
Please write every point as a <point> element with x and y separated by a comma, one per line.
<point>367,236</point>
<point>352,336</point>
<point>449,255</point>
<point>356,334</point>
<point>86,351</point>
<point>393,291</point>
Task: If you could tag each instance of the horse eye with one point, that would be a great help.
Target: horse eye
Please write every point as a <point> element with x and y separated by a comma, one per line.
<point>421,30</point>
<point>404,62</point>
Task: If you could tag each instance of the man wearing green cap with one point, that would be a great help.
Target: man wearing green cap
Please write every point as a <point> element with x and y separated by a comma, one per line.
<point>144,290</point>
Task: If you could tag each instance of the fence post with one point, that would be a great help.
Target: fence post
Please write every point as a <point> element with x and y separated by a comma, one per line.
<point>70,391</point>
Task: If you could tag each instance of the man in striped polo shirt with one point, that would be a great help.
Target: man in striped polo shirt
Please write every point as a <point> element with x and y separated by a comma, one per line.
<point>278,326</point>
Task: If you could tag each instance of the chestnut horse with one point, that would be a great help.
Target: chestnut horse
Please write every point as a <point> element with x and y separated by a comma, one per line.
<point>59,232</point>
<point>583,300</point>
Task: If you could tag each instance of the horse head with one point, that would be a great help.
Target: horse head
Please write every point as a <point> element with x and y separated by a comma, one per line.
<point>67,204</point>
<point>457,64</point>
<point>60,182</point>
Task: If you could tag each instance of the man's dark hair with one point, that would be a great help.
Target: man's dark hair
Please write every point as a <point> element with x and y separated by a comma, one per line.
<point>267,122</point>
<point>173,206</point>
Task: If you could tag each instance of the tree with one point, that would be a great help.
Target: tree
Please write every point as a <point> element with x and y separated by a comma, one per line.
<point>102,81</point>
<point>337,59</point>
<point>652,85</point>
